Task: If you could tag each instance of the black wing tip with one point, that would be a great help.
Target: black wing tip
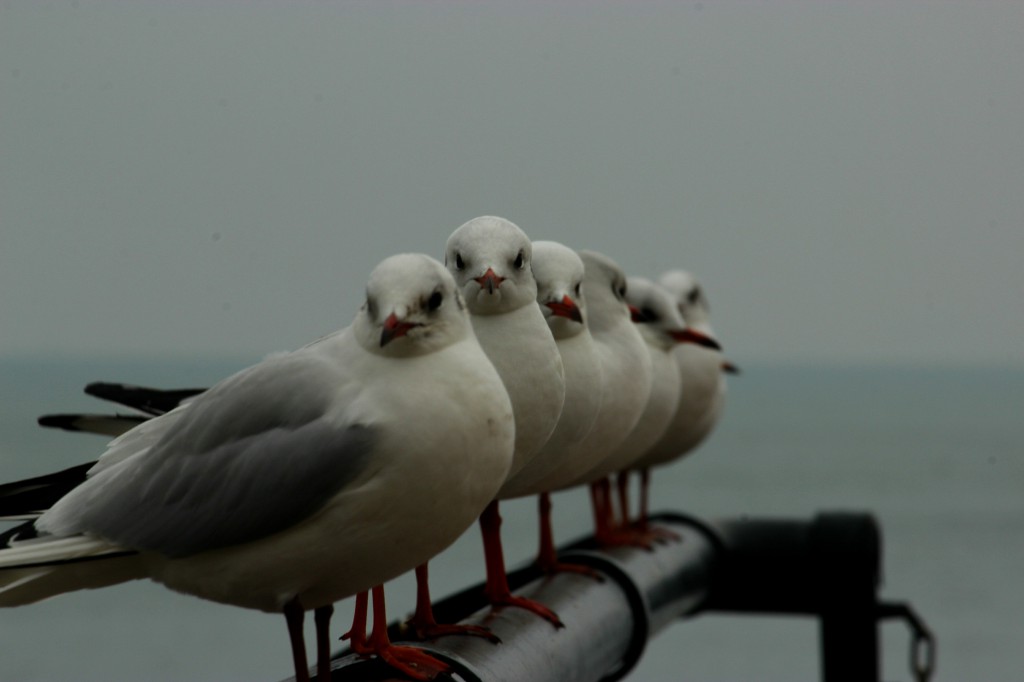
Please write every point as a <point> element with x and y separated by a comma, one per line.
<point>68,422</point>
<point>23,531</point>
<point>31,495</point>
<point>153,401</point>
<point>103,424</point>
<point>101,389</point>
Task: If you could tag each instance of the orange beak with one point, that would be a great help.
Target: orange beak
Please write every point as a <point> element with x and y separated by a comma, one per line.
<point>690,336</point>
<point>392,329</point>
<point>565,308</point>
<point>489,280</point>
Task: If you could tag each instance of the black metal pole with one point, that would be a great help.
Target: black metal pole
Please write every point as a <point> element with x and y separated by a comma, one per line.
<point>847,551</point>
<point>607,623</point>
<point>828,567</point>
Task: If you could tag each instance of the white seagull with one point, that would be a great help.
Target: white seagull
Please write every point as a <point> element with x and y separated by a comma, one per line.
<point>663,328</point>
<point>626,363</point>
<point>490,259</point>
<point>558,271</point>
<point>305,479</point>
<point>703,387</point>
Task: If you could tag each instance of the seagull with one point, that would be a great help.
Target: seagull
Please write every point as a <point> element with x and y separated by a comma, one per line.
<point>700,370</point>
<point>623,356</point>
<point>663,328</point>
<point>302,480</point>
<point>558,271</point>
<point>490,259</point>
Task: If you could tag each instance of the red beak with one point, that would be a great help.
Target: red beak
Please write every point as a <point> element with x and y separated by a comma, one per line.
<point>635,314</point>
<point>393,329</point>
<point>565,308</point>
<point>690,336</point>
<point>489,280</point>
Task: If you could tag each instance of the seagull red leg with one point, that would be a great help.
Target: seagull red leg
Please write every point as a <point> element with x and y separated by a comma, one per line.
<point>599,504</point>
<point>547,557</point>
<point>623,488</point>
<point>425,626</point>
<point>615,534</point>
<point>607,532</point>
<point>659,534</point>
<point>645,501</point>
<point>497,589</point>
<point>416,663</point>
<point>322,617</point>
<point>357,634</point>
<point>293,613</point>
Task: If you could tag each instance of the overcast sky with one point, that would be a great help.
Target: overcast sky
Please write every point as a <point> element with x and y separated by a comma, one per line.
<point>180,178</point>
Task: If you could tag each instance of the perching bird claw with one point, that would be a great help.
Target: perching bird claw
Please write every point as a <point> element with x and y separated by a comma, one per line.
<point>423,631</point>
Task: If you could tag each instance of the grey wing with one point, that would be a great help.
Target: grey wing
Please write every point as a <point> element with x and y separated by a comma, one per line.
<point>252,458</point>
<point>242,491</point>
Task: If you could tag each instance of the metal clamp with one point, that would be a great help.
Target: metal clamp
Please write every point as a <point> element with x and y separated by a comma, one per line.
<point>923,649</point>
<point>637,604</point>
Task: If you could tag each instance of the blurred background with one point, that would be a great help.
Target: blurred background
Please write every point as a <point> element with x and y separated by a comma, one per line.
<point>186,187</point>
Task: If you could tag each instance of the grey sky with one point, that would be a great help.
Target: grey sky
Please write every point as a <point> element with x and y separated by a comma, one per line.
<point>846,178</point>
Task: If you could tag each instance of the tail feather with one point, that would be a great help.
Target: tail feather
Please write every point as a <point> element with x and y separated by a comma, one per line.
<point>51,551</point>
<point>36,569</point>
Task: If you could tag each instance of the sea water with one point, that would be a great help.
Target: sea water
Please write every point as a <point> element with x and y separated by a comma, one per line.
<point>935,454</point>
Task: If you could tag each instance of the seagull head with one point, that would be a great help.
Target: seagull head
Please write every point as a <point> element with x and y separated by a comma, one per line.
<point>412,307</point>
<point>490,259</point>
<point>658,318</point>
<point>688,296</point>
<point>559,274</point>
<point>606,287</point>
<point>692,303</point>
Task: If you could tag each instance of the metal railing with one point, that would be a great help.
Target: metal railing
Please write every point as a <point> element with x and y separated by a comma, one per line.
<point>827,567</point>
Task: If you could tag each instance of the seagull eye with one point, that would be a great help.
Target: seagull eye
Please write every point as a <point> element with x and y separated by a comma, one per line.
<point>520,261</point>
<point>693,295</point>
<point>622,291</point>
<point>459,265</point>
<point>435,300</point>
<point>577,289</point>
<point>649,314</point>
<point>371,307</point>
